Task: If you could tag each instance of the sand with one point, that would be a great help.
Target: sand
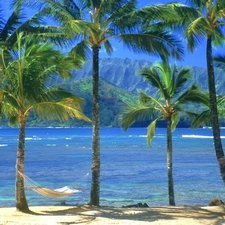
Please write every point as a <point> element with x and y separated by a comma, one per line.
<point>67,215</point>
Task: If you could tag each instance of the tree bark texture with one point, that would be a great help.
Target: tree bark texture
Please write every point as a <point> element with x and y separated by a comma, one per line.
<point>214,110</point>
<point>21,202</point>
<point>170,163</point>
<point>95,185</point>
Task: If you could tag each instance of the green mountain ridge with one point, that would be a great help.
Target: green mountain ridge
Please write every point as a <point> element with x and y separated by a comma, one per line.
<point>118,86</point>
<point>112,100</point>
<point>124,74</point>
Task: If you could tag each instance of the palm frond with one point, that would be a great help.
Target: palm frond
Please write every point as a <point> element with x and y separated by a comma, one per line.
<point>218,37</point>
<point>65,64</point>
<point>149,100</point>
<point>183,75</point>
<point>9,107</point>
<point>81,49</point>
<point>193,94</point>
<point>197,3</point>
<point>185,13</point>
<point>152,75</point>
<point>220,100</point>
<point>119,14</point>
<point>204,117</point>
<point>60,110</point>
<point>201,119</point>
<point>196,32</point>
<point>108,47</point>
<point>220,61</point>
<point>175,119</point>
<point>135,112</point>
<point>161,12</point>
<point>155,42</point>
<point>14,21</point>
<point>151,131</point>
<point>78,27</point>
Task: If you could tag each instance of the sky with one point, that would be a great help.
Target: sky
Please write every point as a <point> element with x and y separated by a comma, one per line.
<point>198,58</point>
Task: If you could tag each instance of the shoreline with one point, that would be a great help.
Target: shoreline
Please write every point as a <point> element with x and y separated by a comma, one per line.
<point>163,215</point>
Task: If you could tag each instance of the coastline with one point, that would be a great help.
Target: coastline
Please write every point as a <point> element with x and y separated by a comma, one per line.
<point>166,215</point>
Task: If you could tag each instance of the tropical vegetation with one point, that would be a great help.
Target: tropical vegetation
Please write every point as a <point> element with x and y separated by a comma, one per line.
<point>168,104</point>
<point>91,24</point>
<point>14,19</point>
<point>205,20</point>
<point>27,70</point>
<point>202,21</point>
<point>86,26</point>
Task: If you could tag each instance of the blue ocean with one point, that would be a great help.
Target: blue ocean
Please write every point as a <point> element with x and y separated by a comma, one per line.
<point>131,171</point>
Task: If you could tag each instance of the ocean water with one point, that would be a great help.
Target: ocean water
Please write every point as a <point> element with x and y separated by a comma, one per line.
<point>131,171</point>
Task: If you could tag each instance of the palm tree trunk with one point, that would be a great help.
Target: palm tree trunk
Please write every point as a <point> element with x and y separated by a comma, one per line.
<point>21,202</point>
<point>214,111</point>
<point>170,162</point>
<point>95,185</point>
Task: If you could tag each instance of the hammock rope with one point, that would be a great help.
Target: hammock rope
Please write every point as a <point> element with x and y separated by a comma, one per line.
<point>56,193</point>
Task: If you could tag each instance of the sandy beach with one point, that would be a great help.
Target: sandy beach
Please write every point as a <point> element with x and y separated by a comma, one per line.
<point>65,215</point>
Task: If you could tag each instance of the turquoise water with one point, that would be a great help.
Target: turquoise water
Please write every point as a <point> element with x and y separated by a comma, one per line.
<point>131,171</point>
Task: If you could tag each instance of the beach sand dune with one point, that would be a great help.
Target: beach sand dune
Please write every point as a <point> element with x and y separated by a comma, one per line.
<point>67,215</point>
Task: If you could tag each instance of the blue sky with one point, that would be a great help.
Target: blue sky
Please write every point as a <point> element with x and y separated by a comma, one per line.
<point>198,58</point>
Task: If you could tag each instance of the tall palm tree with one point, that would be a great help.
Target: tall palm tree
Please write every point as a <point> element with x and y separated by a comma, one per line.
<point>205,20</point>
<point>26,74</point>
<point>92,23</point>
<point>169,104</point>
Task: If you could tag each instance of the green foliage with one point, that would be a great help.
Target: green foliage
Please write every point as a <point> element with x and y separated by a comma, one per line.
<point>169,103</point>
<point>112,101</point>
<point>25,88</point>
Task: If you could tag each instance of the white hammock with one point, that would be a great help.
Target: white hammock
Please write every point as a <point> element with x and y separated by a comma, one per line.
<point>56,193</point>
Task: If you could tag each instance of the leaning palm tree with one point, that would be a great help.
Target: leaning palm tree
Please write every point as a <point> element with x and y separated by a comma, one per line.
<point>205,20</point>
<point>92,23</point>
<point>26,72</point>
<point>173,93</point>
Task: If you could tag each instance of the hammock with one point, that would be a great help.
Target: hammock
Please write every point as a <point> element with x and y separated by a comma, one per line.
<point>56,193</point>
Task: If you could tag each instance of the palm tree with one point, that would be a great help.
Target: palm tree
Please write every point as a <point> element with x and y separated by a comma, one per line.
<point>206,21</point>
<point>26,75</point>
<point>169,104</point>
<point>92,23</point>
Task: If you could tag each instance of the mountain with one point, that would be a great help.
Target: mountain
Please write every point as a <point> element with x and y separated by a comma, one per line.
<point>112,100</point>
<point>124,74</point>
<point>118,85</point>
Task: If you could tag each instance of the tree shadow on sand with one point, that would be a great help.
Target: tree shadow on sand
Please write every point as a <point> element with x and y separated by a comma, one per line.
<point>84,214</point>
